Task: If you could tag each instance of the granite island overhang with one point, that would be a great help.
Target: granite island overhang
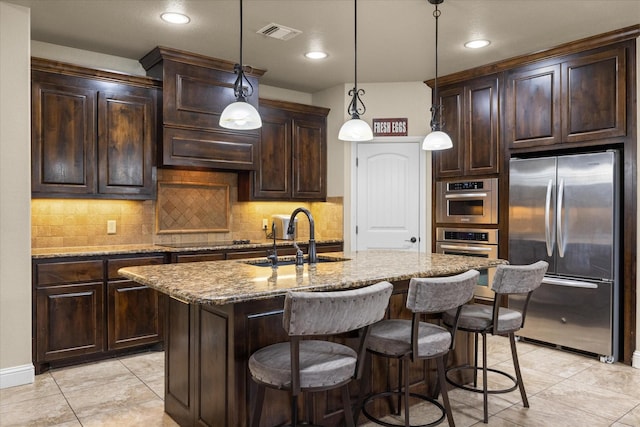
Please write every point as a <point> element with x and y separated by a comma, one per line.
<point>225,282</point>
<point>220,312</point>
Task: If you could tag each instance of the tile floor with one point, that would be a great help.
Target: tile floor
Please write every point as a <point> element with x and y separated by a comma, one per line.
<point>564,390</point>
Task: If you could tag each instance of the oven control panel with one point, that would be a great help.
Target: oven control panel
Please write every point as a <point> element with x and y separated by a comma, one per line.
<point>468,235</point>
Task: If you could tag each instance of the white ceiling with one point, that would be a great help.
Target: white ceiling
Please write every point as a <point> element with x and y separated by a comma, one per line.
<point>395,37</point>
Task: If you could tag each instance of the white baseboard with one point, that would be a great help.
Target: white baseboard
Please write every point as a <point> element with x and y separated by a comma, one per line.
<point>17,375</point>
<point>635,361</point>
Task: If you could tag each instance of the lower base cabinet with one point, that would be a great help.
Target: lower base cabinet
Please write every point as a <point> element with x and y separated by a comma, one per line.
<point>84,311</point>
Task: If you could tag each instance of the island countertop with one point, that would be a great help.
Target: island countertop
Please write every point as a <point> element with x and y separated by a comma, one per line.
<point>227,282</point>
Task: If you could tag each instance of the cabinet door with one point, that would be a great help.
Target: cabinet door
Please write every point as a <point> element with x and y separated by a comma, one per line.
<point>69,321</point>
<point>450,162</point>
<point>272,179</point>
<point>309,159</point>
<point>63,137</point>
<point>594,96</point>
<point>126,137</point>
<point>481,126</point>
<point>532,107</point>
<point>135,313</point>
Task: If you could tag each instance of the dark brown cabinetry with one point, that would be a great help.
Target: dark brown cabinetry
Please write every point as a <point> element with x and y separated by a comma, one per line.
<point>578,99</point>
<point>196,89</point>
<point>135,312</point>
<point>84,311</point>
<point>69,304</point>
<point>532,106</point>
<point>293,154</point>
<point>470,116</point>
<point>93,133</point>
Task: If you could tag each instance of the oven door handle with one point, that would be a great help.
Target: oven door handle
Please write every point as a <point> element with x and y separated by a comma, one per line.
<point>466,248</point>
<point>464,195</point>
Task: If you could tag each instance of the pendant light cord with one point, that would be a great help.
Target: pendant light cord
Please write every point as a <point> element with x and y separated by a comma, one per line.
<point>241,92</point>
<point>354,110</point>
<point>355,45</point>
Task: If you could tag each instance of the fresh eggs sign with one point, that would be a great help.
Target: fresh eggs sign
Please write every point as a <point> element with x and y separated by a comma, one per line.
<point>390,127</point>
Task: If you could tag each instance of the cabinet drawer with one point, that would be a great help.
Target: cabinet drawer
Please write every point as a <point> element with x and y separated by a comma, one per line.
<point>59,273</point>
<point>209,256</point>
<point>113,265</point>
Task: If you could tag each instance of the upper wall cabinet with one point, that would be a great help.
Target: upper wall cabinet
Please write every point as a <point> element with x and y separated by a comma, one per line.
<point>293,159</point>
<point>196,89</point>
<point>470,118</point>
<point>93,133</point>
<point>578,99</point>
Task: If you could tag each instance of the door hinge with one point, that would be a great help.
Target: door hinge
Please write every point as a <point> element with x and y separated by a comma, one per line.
<point>356,229</point>
<point>356,162</point>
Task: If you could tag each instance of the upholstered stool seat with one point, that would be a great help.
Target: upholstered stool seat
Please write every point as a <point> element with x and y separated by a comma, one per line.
<point>317,364</point>
<point>481,319</point>
<point>322,364</point>
<point>411,340</point>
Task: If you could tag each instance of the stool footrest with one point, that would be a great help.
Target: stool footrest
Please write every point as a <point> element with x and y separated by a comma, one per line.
<point>401,393</point>
<point>480,390</point>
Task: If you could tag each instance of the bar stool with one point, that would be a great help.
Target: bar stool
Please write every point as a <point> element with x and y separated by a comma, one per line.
<point>310,365</point>
<point>411,340</point>
<point>483,319</point>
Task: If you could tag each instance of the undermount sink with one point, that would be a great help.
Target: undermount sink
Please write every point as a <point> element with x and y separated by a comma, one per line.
<point>291,260</point>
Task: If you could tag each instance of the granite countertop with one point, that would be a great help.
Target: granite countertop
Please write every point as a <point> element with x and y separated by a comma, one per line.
<point>161,248</point>
<point>225,282</point>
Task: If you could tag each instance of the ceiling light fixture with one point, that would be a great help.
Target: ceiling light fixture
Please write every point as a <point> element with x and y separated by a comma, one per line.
<point>316,55</point>
<point>241,115</point>
<point>355,129</point>
<point>436,140</point>
<point>175,18</point>
<point>477,44</point>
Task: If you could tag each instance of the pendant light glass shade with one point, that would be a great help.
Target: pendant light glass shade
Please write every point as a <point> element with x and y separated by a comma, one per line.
<point>437,140</point>
<point>240,115</point>
<point>355,130</point>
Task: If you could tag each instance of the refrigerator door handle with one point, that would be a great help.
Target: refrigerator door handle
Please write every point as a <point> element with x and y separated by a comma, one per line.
<point>570,283</point>
<point>560,203</point>
<point>547,217</point>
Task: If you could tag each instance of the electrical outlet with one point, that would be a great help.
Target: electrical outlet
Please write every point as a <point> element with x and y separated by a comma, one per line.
<point>111,226</point>
<point>265,223</point>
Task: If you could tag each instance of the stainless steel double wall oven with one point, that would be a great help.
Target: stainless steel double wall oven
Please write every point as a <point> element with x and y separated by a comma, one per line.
<point>473,202</point>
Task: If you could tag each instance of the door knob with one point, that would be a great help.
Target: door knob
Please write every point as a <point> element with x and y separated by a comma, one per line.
<point>412,240</point>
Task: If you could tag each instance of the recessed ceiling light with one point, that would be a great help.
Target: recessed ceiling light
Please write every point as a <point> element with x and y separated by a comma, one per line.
<point>175,18</point>
<point>316,55</point>
<point>477,44</point>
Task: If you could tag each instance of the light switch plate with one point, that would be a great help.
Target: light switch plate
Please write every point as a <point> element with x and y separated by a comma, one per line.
<point>111,226</point>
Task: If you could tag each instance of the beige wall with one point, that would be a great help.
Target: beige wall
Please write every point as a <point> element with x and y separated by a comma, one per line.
<point>636,355</point>
<point>15,189</point>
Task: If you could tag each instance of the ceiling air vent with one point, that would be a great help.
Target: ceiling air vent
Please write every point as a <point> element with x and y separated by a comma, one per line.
<point>279,32</point>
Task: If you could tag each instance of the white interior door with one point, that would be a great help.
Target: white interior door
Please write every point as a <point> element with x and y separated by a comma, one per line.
<point>388,195</point>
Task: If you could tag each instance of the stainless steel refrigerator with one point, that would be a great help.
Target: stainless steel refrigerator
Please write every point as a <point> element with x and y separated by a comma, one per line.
<point>565,210</point>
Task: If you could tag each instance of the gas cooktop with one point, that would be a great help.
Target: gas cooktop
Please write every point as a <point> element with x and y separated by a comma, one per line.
<point>205,244</point>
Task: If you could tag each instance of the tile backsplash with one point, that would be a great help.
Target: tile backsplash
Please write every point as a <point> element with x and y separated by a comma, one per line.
<point>83,222</point>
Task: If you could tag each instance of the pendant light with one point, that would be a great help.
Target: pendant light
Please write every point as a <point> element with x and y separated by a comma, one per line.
<point>355,129</point>
<point>240,114</point>
<point>436,140</point>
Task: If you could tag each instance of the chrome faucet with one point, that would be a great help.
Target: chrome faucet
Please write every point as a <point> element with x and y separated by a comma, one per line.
<point>313,258</point>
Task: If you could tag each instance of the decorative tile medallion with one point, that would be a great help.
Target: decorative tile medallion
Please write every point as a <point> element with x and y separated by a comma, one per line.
<point>189,207</point>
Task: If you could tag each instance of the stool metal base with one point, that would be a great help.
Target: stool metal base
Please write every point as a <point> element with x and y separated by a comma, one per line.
<point>400,393</point>
<point>475,389</point>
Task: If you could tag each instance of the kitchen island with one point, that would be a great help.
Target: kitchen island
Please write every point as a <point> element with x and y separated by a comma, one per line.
<point>221,312</point>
